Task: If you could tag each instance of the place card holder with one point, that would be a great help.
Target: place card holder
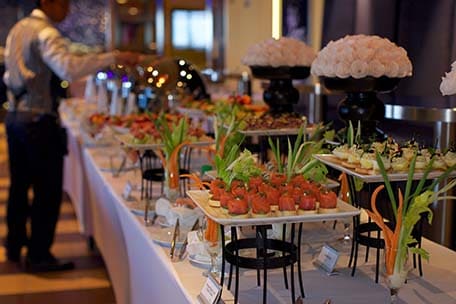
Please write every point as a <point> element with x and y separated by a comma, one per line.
<point>211,292</point>
<point>327,259</point>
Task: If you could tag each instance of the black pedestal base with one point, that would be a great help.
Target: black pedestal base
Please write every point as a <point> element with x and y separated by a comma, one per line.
<point>366,108</point>
<point>270,254</point>
<point>280,96</point>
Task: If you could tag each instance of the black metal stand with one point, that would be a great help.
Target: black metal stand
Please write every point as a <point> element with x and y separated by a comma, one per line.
<point>152,171</point>
<point>270,254</point>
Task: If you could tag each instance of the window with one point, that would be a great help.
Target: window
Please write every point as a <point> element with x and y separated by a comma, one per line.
<point>191,29</point>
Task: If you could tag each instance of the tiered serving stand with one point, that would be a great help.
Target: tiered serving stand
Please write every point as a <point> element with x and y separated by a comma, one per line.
<point>280,95</point>
<point>151,167</point>
<point>360,228</point>
<point>270,253</point>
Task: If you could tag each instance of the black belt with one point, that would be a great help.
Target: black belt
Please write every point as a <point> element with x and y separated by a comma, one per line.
<point>32,116</point>
<point>19,95</point>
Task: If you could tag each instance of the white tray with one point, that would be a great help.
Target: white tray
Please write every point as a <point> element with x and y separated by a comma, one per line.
<point>126,140</point>
<point>192,112</point>
<point>276,132</point>
<point>201,198</point>
<point>332,161</point>
<point>329,184</point>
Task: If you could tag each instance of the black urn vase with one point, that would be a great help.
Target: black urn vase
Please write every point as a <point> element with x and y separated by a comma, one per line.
<point>361,102</point>
<point>280,95</point>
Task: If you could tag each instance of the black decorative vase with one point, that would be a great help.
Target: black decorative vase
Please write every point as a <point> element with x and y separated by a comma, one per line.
<point>280,95</point>
<point>361,103</point>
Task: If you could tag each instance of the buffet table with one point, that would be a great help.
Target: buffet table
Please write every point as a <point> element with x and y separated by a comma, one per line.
<point>141,271</point>
<point>74,180</point>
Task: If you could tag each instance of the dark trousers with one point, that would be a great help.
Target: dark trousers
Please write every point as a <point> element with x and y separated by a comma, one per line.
<point>36,146</point>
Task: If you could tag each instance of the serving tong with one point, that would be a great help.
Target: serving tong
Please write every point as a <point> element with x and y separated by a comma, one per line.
<point>184,245</point>
<point>116,171</point>
<point>174,239</point>
<point>147,221</point>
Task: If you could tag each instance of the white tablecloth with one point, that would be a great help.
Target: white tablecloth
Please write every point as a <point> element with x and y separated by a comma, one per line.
<point>136,265</point>
<point>141,271</point>
<point>107,230</point>
<point>74,177</point>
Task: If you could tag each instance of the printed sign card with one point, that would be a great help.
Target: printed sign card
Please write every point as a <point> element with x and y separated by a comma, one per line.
<point>327,259</point>
<point>210,294</point>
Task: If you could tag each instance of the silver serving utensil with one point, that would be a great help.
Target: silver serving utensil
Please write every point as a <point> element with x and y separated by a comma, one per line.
<point>122,165</point>
<point>111,165</point>
<point>154,218</point>
<point>184,245</point>
<point>174,240</point>
<point>147,222</point>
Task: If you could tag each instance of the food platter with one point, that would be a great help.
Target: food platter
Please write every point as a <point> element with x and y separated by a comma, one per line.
<point>138,207</point>
<point>203,261</point>
<point>192,112</point>
<point>328,184</point>
<point>116,162</point>
<point>127,141</point>
<point>276,132</point>
<point>164,237</point>
<point>334,162</point>
<point>201,198</point>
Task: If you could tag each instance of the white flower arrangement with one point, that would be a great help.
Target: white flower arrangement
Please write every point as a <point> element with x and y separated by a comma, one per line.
<point>448,84</point>
<point>279,52</point>
<point>359,56</point>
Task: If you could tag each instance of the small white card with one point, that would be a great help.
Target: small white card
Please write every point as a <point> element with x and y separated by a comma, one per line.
<point>127,191</point>
<point>210,294</point>
<point>327,259</point>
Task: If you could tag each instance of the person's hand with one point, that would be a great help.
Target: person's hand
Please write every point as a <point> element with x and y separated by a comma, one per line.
<point>127,58</point>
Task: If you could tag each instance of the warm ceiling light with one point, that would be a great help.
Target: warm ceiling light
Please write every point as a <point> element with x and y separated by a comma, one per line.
<point>133,11</point>
<point>122,1</point>
<point>276,19</point>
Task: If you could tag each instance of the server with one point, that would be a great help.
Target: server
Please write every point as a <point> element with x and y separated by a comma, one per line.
<point>36,56</point>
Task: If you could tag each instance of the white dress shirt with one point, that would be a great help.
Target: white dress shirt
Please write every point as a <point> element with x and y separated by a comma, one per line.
<point>34,48</point>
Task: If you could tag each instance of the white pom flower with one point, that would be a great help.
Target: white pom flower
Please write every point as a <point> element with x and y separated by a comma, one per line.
<point>279,52</point>
<point>448,84</point>
<point>359,56</point>
<point>376,68</point>
<point>358,69</point>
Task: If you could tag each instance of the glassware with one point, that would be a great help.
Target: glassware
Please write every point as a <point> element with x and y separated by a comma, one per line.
<point>213,249</point>
<point>397,279</point>
<point>346,239</point>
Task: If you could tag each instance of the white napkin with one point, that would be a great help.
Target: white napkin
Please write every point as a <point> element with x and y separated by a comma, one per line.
<point>187,217</point>
<point>90,93</point>
<point>277,231</point>
<point>196,248</point>
<point>116,103</point>
<point>131,104</point>
<point>195,245</point>
<point>106,135</point>
<point>102,99</point>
